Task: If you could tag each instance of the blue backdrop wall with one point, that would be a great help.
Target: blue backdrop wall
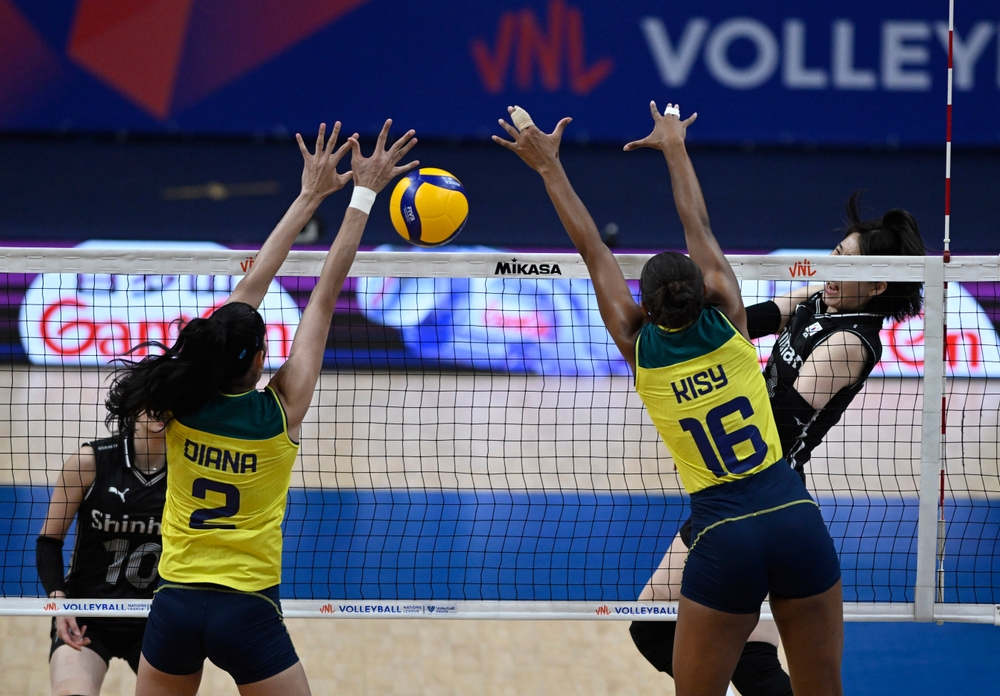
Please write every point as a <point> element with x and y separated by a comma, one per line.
<point>832,73</point>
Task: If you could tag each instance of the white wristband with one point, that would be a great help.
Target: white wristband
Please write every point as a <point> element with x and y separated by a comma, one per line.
<point>363,199</point>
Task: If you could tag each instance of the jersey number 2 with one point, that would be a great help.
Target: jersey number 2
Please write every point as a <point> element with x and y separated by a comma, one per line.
<point>200,518</point>
<point>725,442</point>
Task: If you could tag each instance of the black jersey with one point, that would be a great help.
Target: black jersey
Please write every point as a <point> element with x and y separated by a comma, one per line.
<point>801,430</point>
<point>118,527</point>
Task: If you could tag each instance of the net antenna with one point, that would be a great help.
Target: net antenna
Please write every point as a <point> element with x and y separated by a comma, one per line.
<point>944,310</point>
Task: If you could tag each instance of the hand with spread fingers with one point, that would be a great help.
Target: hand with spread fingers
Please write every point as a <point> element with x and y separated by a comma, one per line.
<point>539,150</point>
<point>319,172</point>
<point>668,128</point>
<point>378,170</point>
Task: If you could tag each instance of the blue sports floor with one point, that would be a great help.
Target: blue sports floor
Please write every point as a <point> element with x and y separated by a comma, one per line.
<point>388,544</point>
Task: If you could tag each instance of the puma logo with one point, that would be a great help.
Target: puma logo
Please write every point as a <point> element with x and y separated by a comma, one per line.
<point>120,494</point>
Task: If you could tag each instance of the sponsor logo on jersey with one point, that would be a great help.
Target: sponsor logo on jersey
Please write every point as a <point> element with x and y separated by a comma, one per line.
<point>788,353</point>
<point>526,269</point>
<point>123,525</point>
<point>120,494</point>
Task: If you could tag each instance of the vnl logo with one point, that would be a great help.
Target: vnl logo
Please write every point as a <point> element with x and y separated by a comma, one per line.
<point>557,51</point>
<point>902,61</point>
<point>603,610</point>
<point>801,269</point>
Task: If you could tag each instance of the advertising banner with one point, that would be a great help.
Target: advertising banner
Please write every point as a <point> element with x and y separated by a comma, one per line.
<point>93,319</point>
<point>851,72</point>
<point>528,317</point>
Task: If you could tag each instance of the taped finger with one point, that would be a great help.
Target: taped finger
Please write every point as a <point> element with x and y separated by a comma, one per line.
<point>672,110</point>
<point>521,118</point>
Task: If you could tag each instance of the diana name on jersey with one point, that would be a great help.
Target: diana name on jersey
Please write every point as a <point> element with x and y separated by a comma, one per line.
<point>222,460</point>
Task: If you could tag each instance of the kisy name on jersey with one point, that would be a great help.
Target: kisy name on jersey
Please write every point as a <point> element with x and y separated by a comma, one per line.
<point>699,384</point>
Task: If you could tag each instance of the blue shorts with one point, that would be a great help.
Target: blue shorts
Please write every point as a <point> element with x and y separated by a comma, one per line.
<point>758,535</point>
<point>241,632</point>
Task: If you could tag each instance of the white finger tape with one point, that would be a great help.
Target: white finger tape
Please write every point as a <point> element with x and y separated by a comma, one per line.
<point>672,110</point>
<point>521,118</point>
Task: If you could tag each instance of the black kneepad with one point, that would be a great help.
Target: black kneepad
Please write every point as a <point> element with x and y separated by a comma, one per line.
<point>759,672</point>
<point>655,640</point>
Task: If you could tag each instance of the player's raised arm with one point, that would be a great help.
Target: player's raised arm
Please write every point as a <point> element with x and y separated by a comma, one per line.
<point>621,314</point>
<point>319,179</point>
<point>721,285</point>
<point>296,380</point>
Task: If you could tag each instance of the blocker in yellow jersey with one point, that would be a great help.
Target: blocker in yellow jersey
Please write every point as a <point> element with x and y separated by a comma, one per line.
<point>231,464</point>
<point>703,389</point>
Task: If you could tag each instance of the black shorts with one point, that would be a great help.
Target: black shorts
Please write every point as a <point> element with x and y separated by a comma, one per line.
<point>109,637</point>
<point>241,632</point>
<point>758,535</point>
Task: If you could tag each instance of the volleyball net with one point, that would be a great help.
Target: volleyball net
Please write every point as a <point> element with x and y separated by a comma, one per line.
<point>475,447</point>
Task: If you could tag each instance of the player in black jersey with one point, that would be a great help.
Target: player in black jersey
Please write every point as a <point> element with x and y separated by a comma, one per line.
<point>828,344</point>
<point>115,489</point>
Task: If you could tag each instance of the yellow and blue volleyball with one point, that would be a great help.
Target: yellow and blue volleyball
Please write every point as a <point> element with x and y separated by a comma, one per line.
<point>428,207</point>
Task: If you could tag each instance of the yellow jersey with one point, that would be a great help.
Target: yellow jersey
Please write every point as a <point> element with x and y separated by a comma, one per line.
<point>705,393</point>
<point>230,465</point>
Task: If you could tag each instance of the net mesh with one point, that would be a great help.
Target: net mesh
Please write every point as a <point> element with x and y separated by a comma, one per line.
<point>478,438</point>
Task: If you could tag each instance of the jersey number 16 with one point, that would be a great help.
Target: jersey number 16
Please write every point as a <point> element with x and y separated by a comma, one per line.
<point>725,442</point>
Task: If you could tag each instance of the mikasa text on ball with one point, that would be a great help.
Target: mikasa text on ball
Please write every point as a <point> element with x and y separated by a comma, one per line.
<point>428,207</point>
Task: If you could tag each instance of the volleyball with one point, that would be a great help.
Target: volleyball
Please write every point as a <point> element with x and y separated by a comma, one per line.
<point>428,207</point>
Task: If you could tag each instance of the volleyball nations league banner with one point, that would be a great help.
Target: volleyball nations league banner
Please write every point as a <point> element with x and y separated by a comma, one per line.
<point>850,72</point>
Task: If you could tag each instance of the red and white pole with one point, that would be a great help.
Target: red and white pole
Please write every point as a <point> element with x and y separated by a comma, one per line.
<point>944,316</point>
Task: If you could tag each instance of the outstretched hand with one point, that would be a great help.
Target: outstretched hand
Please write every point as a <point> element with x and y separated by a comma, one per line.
<point>668,128</point>
<point>538,150</point>
<point>378,170</point>
<point>319,173</point>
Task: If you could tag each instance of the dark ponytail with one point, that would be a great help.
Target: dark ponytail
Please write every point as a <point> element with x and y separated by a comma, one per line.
<point>208,355</point>
<point>672,289</point>
<point>894,234</point>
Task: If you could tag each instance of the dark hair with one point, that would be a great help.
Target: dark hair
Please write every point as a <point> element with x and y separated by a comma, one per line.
<point>672,289</point>
<point>208,355</point>
<point>894,234</point>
